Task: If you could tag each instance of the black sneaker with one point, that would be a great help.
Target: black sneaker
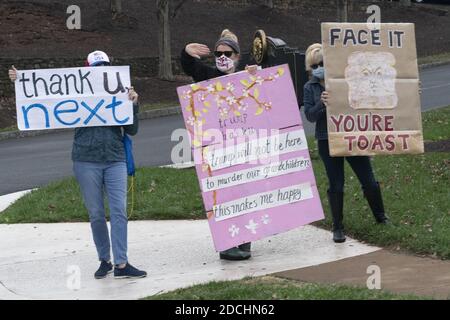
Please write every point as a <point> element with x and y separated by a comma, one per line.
<point>128,272</point>
<point>103,270</point>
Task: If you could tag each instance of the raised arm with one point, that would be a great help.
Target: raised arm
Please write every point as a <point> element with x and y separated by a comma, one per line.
<point>191,63</point>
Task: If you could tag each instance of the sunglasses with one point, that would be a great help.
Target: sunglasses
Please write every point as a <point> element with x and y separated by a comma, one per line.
<point>315,66</point>
<point>227,54</point>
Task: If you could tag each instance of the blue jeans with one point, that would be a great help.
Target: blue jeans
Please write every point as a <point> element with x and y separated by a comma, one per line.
<point>334,166</point>
<point>96,179</point>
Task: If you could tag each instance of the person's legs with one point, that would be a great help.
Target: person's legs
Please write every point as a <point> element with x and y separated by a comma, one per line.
<point>334,167</point>
<point>90,178</point>
<point>362,167</point>
<point>371,188</point>
<point>116,189</point>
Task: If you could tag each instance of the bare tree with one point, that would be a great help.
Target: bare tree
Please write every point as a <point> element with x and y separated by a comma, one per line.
<point>164,15</point>
<point>116,8</point>
<point>342,10</point>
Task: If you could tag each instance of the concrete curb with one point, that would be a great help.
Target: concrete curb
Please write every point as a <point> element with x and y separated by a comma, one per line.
<point>433,64</point>
<point>8,199</point>
<point>150,114</point>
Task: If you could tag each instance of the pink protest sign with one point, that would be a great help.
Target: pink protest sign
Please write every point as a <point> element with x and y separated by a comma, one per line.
<point>251,155</point>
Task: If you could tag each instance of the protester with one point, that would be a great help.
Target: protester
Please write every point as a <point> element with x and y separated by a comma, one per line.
<point>99,165</point>
<point>316,100</point>
<point>227,55</point>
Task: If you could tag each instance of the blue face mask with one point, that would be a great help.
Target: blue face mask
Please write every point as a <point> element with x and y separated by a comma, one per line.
<point>319,72</point>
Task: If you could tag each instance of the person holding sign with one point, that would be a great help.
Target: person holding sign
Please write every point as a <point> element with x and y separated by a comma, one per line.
<point>99,165</point>
<point>227,55</point>
<point>316,100</point>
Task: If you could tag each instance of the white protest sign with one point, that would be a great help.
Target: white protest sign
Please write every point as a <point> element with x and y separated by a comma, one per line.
<point>73,97</point>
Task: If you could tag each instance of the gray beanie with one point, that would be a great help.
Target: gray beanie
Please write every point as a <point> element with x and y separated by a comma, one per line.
<point>229,42</point>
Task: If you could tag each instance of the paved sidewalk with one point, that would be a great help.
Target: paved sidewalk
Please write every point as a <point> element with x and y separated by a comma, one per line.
<point>41,261</point>
<point>400,273</point>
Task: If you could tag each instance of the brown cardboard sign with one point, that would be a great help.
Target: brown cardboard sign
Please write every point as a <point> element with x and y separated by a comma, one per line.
<point>372,78</point>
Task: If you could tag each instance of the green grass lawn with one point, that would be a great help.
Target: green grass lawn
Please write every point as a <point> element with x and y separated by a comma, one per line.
<point>161,193</point>
<point>271,288</point>
<point>436,124</point>
<point>158,105</point>
<point>416,195</point>
<point>415,189</point>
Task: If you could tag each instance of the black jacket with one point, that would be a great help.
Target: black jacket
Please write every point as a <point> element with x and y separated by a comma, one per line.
<point>315,111</point>
<point>197,69</point>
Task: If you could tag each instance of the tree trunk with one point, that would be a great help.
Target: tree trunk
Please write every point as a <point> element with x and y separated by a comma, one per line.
<point>342,10</point>
<point>116,7</point>
<point>164,49</point>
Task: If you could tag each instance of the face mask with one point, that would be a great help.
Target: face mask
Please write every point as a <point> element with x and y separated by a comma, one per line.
<point>319,72</point>
<point>225,64</point>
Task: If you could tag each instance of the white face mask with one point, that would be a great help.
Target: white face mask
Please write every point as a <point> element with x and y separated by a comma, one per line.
<point>225,64</point>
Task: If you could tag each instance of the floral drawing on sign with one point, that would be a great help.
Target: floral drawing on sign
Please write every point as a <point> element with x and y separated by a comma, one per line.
<point>265,219</point>
<point>228,98</point>
<point>252,226</point>
<point>234,231</point>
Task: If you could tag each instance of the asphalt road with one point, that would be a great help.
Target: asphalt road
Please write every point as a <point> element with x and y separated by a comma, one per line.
<point>32,162</point>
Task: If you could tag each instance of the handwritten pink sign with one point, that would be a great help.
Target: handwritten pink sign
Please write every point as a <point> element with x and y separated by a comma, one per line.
<point>251,155</point>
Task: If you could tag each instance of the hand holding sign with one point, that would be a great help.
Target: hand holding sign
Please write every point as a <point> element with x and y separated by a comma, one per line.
<point>324,98</point>
<point>252,69</point>
<point>132,95</point>
<point>13,74</point>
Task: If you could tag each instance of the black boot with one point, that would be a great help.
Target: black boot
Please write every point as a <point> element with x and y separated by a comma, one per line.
<point>375,200</point>
<point>336,201</point>
<point>235,254</point>
<point>247,247</point>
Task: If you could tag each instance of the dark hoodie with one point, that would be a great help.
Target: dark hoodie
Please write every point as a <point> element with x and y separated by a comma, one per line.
<point>197,69</point>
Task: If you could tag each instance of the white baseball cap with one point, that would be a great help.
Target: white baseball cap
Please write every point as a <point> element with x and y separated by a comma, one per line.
<point>97,57</point>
